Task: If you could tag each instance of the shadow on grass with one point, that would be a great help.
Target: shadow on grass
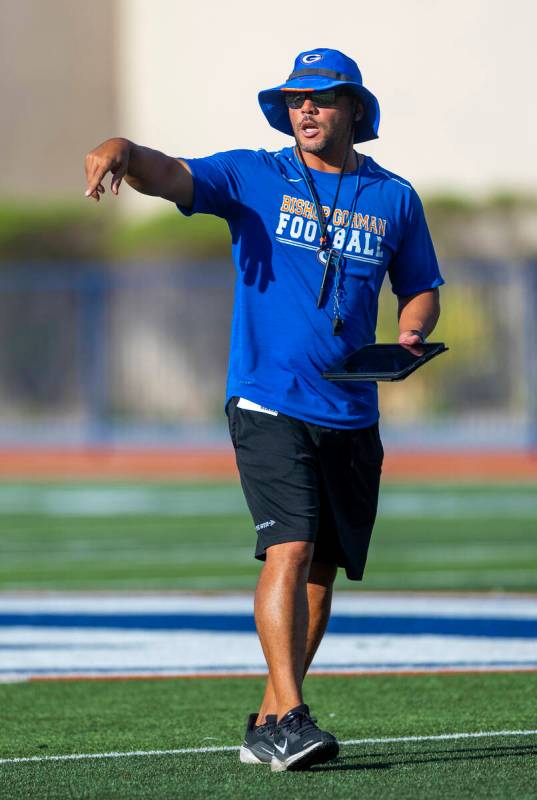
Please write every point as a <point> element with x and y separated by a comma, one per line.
<point>363,762</point>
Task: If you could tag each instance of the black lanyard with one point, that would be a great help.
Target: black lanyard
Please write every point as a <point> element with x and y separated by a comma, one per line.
<point>326,254</point>
<point>323,222</point>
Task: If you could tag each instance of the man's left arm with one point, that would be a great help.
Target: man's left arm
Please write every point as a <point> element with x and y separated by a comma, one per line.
<point>418,315</point>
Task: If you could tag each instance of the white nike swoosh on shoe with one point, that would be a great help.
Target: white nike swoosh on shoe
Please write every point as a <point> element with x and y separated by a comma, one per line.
<point>283,749</point>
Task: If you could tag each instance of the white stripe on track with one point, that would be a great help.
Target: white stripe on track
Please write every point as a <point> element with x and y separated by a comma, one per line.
<point>230,748</point>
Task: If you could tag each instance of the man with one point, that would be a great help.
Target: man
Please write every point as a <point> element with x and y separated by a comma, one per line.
<point>315,227</point>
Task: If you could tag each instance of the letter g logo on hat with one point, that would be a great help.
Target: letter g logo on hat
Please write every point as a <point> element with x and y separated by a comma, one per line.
<point>311,58</point>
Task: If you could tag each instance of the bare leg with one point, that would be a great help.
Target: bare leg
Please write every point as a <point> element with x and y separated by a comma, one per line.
<point>281,616</point>
<point>319,597</point>
<point>320,584</point>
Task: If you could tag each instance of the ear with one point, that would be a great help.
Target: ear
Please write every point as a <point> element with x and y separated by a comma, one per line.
<point>359,112</point>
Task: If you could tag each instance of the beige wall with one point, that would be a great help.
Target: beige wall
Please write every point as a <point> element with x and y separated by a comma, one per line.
<point>57,92</point>
<point>454,79</point>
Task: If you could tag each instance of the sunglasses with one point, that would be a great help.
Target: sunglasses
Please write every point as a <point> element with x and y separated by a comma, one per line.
<point>325,99</point>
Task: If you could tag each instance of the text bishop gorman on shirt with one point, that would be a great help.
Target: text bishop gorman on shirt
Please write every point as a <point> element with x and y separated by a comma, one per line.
<point>298,223</point>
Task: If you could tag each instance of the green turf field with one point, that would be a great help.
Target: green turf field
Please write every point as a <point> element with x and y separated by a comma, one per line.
<point>101,717</point>
<point>197,536</point>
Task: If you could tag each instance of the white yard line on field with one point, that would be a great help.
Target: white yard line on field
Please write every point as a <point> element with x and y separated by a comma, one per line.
<point>229,748</point>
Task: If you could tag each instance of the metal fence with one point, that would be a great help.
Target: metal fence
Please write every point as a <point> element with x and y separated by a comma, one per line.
<point>138,352</point>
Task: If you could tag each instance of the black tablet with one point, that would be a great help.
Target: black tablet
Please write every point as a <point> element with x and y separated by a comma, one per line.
<point>383,362</point>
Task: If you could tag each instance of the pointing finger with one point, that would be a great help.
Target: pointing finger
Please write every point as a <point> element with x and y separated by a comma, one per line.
<point>95,173</point>
<point>96,194</point>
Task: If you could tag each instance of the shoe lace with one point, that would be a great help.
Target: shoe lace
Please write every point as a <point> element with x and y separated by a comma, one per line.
<point>267,727</point>
<point>300,721</point>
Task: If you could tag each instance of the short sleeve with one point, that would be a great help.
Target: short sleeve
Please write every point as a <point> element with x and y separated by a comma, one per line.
<point>414,267</point>
<point>218,181</point>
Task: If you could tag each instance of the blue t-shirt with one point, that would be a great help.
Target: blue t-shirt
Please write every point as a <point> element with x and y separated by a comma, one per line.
<point>280,341</point>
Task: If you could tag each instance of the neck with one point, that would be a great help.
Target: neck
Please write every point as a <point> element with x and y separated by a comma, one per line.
<point>331,161</point>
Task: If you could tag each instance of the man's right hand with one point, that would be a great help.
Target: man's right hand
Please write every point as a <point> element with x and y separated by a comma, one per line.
<point>148,171</point>
<point>111,156</point>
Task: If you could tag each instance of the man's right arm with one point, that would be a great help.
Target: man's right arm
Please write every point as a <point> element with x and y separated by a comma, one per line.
<point>148,171</point>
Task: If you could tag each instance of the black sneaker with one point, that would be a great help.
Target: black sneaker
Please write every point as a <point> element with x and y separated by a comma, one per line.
<point>258,747</point>
<point>298,742</point>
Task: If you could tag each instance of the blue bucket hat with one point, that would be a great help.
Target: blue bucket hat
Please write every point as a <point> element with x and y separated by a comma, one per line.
<point>315,71</point>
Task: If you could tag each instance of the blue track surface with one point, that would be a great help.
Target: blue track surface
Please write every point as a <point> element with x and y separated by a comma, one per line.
<point>244,623</point>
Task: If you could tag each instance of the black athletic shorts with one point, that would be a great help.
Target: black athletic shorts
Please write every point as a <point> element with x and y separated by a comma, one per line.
<point>308,483</point>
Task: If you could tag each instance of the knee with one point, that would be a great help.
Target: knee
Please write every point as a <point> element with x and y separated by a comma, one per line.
<point>294,556</point>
